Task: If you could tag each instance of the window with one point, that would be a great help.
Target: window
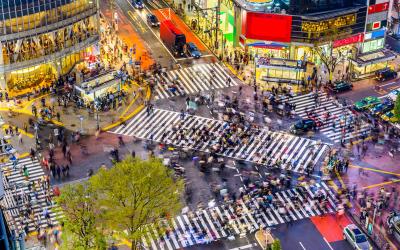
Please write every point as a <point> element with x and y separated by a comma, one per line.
<point>372,45</point>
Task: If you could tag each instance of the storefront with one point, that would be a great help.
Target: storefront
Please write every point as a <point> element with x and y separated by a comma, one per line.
<point>22,81</point>
<point>279,71</point>
<point>366,65</point>
<point>98,87</point>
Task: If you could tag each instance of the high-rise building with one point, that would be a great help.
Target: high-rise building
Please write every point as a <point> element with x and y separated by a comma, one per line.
<point>43,39</point>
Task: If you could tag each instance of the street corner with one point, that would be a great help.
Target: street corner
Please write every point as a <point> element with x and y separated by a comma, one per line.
<point>169,14</point>
<point>330,226</point>
<point>370,178</point>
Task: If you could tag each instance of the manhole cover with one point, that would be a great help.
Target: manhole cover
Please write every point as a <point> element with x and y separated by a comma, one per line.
<point>73,125</point>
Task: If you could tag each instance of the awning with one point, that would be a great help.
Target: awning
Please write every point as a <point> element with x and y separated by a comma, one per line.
<point>266,45</point>
<point>374,57</point>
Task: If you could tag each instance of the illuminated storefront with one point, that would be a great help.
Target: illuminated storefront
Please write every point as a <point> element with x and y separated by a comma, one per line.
<point>44,40</point>
<point>372,55</point>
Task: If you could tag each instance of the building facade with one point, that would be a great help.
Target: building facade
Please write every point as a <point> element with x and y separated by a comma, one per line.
<point>285,33</point>
<point>43,39</point>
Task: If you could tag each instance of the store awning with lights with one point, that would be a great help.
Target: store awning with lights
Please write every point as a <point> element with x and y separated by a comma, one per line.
<point>373,57</point>
<point>261,44</point>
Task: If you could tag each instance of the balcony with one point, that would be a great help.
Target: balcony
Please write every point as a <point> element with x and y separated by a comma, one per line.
<point>48,58</point>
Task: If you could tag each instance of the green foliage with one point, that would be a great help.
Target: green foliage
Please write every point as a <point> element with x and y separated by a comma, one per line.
<point>81,228</point>
<point>276,245</point>
<point>135,194</point>
<point>397,107</point>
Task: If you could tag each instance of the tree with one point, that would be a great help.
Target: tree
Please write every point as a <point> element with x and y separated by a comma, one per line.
<point>81,229</point>
<point>276,245</point>
<point>397,107</point>
<point>325,52</point>
<point>136,197</point>
<point>326,57</point>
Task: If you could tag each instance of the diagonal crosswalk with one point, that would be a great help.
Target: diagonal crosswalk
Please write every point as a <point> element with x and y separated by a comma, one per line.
<point>295,152</point>
<point>246,215</point>
<point>21,191</point>
<point>340,116</point>
<point>192,80</point>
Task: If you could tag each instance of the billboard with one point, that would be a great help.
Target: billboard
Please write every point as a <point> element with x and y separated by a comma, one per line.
<point>266,27</point>
<point>349,40</point>
<point>380,7</point>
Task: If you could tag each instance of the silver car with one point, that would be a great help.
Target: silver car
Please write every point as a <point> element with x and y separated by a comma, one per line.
<point>356,238</point>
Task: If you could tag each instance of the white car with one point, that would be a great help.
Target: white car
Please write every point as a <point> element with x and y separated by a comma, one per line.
<point>356,238</point>
<point>393,94</point>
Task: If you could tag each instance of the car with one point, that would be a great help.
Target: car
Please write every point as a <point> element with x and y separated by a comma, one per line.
<point>389,117</point>
<point>381,109</point>
<point>303,126</point>
<point>366,103</point>
<point>386,105</point>
<point>340,86</point>
<point>385,74</point>
<point>356,238</point>
<point>138,4</point>
<point>393,223</point>
<point>152,20</point>
<point>393,94</point>
<point>192,50</point>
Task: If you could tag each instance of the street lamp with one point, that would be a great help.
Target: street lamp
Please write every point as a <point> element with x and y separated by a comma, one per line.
<point>36,128</point>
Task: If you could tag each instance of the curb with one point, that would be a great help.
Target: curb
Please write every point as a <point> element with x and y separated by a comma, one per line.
<point>129,116</point>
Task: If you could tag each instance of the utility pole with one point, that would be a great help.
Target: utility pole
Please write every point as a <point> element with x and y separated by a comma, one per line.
<point>217,19</point>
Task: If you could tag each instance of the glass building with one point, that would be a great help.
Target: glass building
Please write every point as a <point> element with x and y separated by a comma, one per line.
<point>43,39</point>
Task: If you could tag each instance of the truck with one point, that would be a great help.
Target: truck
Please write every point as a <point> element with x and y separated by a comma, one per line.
<point>173,38</point>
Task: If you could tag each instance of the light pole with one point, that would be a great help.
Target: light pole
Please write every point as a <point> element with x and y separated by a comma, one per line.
<point>36,127</point>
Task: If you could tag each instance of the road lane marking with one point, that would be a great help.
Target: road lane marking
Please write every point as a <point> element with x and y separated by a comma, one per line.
<point>375,170</point>
<point>302,245</point>
<point>329,245</point>
<point>387,84</point>
<point>382,184</point>
<point>244,247</point>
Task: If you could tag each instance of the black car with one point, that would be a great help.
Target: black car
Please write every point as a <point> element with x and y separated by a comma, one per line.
<point>340,86</point>
<point>385,74</point>
<point>303,126</point>
<point>138,4</point>
<point>152,20</point>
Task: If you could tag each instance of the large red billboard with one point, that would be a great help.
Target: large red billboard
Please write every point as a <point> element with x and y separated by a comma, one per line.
<point>267,27</point>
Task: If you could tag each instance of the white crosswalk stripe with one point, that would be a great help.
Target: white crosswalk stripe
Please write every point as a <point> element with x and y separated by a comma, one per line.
<point>193,80</point>
<point>340,115</point>
<point>16,186</point>
<point>297,152</point>
<point>244,216</point>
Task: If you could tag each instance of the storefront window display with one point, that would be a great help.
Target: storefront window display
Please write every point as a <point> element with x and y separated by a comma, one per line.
<point>20,81</point>
<point>363,70</point>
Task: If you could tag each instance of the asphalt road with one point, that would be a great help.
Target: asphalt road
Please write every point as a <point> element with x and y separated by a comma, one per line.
<point>366,87</point>
<point>149,34</point>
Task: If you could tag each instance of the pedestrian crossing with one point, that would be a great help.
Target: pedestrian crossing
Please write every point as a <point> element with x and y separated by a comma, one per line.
<point>237,219</point>
<point>292,151</point>
<point>20,191</point>
<point>339,125</point>
<point>192,80</point>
